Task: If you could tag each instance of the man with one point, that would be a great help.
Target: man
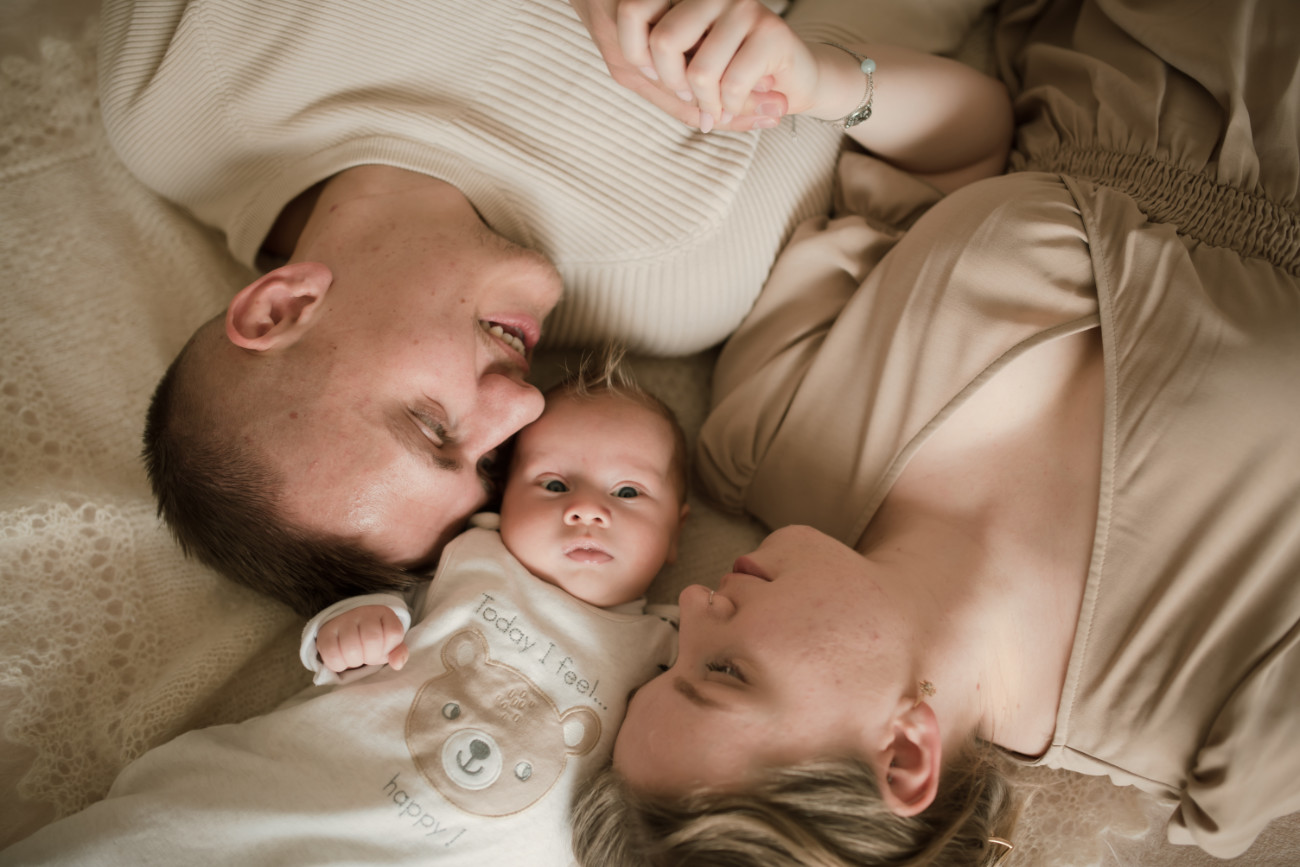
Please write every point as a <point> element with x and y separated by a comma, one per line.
<point>314,433</point>
<point>415,165</point>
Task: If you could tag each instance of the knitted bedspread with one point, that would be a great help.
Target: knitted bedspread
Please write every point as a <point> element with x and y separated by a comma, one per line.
<point>110,641</point>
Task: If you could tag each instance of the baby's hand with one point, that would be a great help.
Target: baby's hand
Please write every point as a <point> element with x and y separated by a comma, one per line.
<point>369,635</point>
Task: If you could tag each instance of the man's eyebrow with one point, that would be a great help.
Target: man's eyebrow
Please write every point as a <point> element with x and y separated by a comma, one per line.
<point>419,445</point>
<point>693,695</point>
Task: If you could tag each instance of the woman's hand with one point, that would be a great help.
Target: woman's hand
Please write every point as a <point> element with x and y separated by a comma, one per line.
<point>734,59</point>
<point>734,65</point>
<point>368,635</point>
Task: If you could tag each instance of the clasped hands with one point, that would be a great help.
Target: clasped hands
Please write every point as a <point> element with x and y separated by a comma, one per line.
<point>712,64</point>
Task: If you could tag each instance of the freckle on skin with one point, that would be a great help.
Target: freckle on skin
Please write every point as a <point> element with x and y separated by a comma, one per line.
<point>293,415</point>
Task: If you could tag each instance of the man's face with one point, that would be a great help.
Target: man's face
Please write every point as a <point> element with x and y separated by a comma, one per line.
<point>591,505</point>
<point>411,373</point>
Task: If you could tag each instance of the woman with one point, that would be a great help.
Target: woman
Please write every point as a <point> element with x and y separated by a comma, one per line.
<point>1047,441</point>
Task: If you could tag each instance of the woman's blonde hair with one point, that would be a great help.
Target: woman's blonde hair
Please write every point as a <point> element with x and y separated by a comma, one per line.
<point>820,814</point>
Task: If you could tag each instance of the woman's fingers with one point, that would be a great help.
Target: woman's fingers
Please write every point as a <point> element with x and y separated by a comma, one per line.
<point>673,38</point>
<point>634,21</point>
<point>724,56</point>
<point>712,73</point>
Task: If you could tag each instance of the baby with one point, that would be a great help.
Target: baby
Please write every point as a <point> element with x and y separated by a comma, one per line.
<point>594,503</point>
<point>467,747</point>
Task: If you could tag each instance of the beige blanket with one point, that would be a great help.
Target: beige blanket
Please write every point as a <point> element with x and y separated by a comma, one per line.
<point>111,642</point>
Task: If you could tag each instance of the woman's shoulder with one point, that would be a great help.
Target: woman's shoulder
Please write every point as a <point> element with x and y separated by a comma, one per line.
<point>920,316</point>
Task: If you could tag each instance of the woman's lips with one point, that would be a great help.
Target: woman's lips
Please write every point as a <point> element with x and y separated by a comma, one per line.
<point>746,566</point>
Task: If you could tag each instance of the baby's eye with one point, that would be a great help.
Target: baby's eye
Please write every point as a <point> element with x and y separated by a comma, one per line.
<point>555,486</point>
<point>726,667</point>
<point>627,492</point>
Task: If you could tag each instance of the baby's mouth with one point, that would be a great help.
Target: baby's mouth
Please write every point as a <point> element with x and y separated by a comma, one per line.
<point>587,552</point>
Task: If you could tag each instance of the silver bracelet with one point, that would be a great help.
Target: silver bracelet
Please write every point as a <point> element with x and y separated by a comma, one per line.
<point>868,67</point>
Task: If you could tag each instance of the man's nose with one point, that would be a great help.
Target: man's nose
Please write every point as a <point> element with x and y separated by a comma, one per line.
<point>505,406</point>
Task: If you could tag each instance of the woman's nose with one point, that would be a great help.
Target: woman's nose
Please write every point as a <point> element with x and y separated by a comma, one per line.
<point>586,512</point>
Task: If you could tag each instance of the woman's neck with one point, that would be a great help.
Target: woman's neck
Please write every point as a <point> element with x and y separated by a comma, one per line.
<point>990,528</point>
<point>968,622</point>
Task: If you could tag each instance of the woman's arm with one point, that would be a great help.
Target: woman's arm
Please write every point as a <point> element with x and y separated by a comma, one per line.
<point>931,116</point>
<point>735,65</point>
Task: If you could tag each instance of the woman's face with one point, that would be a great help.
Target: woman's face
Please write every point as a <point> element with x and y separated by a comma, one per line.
<point>789,661</point>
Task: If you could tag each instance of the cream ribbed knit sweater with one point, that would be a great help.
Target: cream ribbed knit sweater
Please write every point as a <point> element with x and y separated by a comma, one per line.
<point>663,235</point>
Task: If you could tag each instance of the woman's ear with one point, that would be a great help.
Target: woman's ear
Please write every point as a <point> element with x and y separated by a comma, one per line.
<point>910,778</point>
<point>275,310</point>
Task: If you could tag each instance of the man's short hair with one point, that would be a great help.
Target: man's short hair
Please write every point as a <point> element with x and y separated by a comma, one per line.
<point>221,503</point>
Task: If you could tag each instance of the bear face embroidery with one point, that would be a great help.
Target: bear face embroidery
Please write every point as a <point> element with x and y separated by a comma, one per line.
<point>486,737</point>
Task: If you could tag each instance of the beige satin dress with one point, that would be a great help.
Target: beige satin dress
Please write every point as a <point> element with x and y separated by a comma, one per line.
<point>1153,195</point>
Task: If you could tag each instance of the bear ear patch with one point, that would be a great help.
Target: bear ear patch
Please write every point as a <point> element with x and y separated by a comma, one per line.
<point>464,649</point>
<point>581,730</point>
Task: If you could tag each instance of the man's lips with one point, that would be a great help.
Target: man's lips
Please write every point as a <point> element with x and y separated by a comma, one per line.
<point>520,326</point>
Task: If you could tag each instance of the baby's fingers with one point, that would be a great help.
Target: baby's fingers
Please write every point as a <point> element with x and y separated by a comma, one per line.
<point>398,656</point>
<point>331,651</point>
<point>362,636</point>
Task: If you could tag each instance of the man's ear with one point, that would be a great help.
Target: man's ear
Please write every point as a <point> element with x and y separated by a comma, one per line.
<point>275,310</point>
<point>677,534</point>
<point>910,778</point>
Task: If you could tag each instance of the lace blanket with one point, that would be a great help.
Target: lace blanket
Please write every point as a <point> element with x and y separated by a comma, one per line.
<point>110,641</point>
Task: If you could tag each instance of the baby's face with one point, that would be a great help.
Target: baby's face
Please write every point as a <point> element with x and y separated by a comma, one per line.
<point>590,505</point>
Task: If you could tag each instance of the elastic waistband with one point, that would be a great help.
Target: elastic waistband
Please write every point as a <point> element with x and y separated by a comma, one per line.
<point>1198,207</point>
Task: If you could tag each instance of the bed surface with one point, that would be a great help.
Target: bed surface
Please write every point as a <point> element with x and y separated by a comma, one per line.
<point>111,642</point>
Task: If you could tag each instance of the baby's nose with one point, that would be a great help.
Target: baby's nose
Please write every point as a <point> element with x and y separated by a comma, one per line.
<point>586,513</point>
